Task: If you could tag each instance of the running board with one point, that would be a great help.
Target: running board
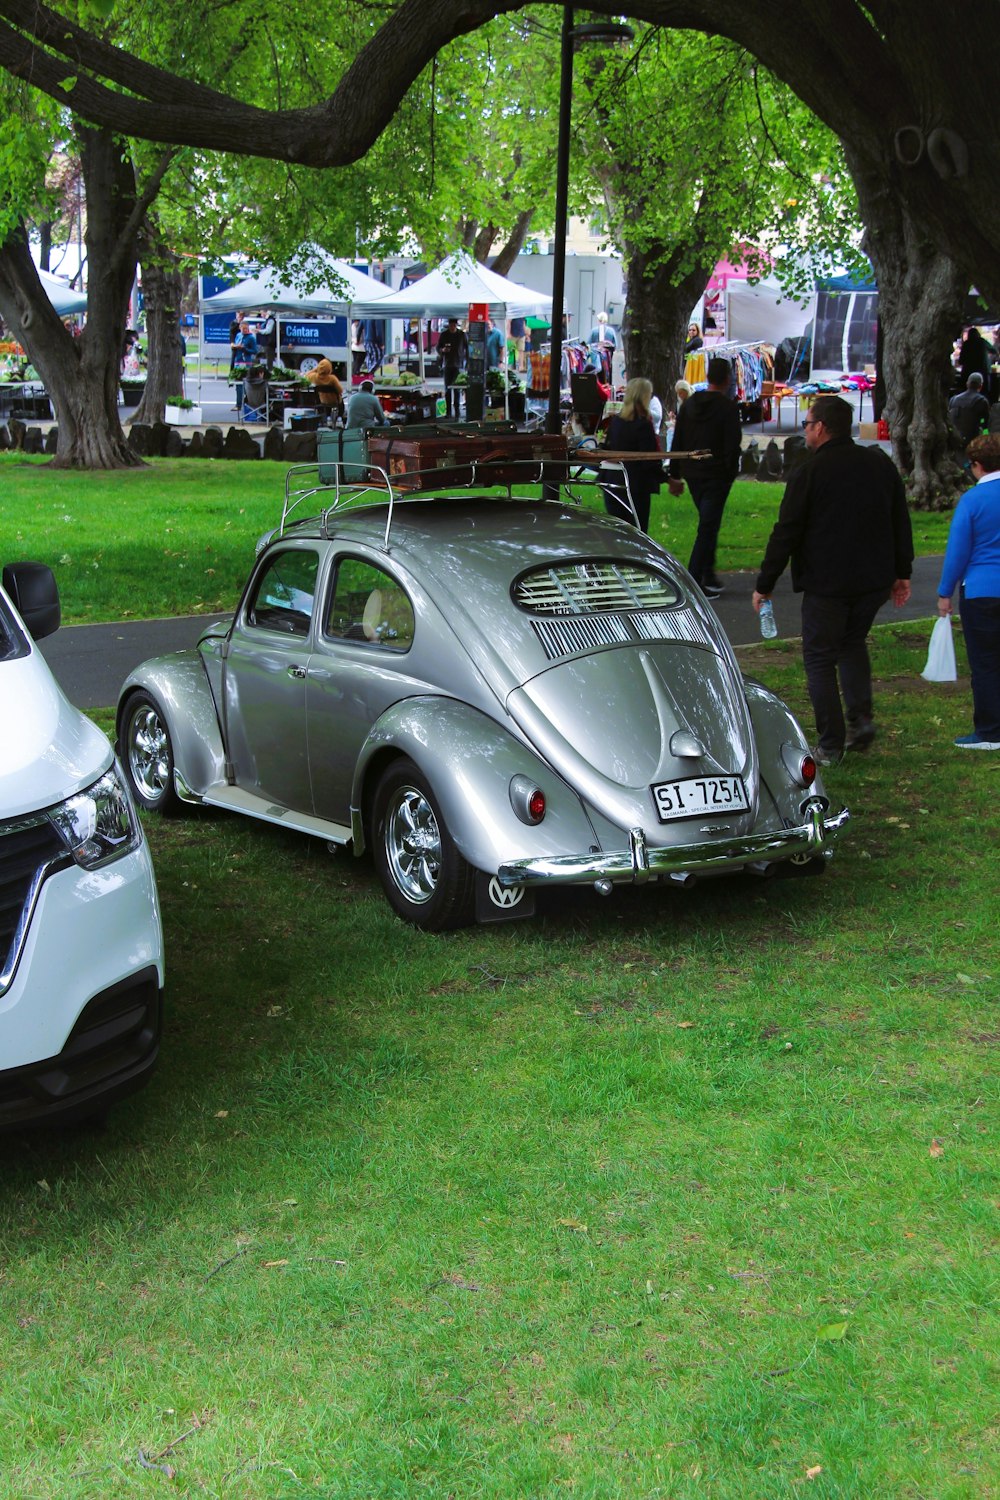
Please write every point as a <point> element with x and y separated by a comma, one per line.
<point>237,800</point>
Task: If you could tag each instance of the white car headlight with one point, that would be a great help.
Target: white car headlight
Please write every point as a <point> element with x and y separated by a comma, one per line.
<point>99,824</point>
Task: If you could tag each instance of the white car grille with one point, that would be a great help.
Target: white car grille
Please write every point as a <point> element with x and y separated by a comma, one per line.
<point>30,849</point>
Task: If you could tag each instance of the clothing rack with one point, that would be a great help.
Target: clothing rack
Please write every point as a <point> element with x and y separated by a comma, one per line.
<point>711,350</point>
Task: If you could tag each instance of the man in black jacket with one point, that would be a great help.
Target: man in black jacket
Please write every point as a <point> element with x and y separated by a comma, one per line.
<point>969,411</point>
<point>844,524</point>
<point>708,420</point>
<point>453,351</point>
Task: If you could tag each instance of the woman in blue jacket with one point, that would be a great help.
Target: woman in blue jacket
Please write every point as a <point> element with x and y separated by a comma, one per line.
<point>972,560</point>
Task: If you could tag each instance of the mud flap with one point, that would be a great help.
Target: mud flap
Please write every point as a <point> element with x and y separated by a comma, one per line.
<point>497,903</point>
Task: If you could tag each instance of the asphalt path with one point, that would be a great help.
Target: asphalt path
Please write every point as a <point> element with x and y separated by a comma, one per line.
<point>92,661</point>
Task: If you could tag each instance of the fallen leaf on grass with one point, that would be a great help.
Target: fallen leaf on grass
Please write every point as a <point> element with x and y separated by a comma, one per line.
<point>832,1331</point>
<point>573,1224</point>
<point>936,1148</point>
<point>965,979</point>
<point>814,1472</point>
<point>269,1265</point>
<point>222,1114</point>
<point>685,1025</point>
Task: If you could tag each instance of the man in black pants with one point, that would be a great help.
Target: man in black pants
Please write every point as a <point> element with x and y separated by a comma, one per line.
<point>710,420</point>
<point>844,524</point>
<point>453,350</point>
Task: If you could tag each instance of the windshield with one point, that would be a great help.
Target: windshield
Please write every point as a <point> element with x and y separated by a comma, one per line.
<point>13,641</point>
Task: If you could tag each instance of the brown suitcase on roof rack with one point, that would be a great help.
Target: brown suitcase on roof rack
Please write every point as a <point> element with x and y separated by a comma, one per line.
<point>425,462</point>
<point>428,462</point>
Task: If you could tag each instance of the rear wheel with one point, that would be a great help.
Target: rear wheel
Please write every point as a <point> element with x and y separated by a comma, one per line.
<point>147,754</point>
<point>307,362</point>
<point>425,878</point>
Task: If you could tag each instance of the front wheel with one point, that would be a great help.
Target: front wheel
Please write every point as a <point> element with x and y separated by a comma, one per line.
<point>424,876</point>
<point>147,754</point>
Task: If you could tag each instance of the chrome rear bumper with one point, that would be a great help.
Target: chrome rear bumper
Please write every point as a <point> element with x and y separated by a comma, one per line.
<point>639,863</point>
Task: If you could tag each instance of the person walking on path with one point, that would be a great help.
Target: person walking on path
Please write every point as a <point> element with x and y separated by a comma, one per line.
<point>969,411</point>
<point>453,351</point>
<point>844,524</point>
<point>972,562</point>
<point>631,431</point>
<point>710,420</point>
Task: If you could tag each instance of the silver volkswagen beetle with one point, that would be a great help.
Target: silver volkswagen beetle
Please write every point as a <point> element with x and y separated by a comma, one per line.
<point>490,692</point>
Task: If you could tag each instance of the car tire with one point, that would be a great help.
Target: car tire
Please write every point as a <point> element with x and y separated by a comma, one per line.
<point>425,878</point>
<point>306,363</point>
<point>147,754</point>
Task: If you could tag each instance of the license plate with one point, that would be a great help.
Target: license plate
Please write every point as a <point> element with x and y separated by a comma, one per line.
<point>697,795</point>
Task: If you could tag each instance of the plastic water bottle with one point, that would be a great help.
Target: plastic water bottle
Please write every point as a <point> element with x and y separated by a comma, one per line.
<point>768,624</point>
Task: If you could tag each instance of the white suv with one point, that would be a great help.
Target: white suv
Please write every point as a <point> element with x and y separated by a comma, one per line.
<point>81,945</point>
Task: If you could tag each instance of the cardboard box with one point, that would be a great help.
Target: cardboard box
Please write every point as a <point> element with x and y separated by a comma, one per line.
<point>868,432</point>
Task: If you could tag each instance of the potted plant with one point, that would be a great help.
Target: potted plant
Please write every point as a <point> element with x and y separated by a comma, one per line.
<point>181,410</point>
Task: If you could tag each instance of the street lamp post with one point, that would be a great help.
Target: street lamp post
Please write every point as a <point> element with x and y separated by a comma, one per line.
<point>602,31</point>
<point>554,423</point>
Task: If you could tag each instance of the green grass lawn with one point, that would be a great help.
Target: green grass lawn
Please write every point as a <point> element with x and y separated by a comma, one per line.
<point>679,1193</point>
<point>187,528</point>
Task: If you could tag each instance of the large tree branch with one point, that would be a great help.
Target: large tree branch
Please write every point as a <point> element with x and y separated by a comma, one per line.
<point>867,70</point>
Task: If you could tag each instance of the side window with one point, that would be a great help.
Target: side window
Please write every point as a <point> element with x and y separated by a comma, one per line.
<point>283,598</point>
<point>367,605</point>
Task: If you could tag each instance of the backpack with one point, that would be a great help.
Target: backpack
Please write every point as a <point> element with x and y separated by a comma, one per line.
<point>750,459</point>
<point>770,465</point>
<point>795,453</point>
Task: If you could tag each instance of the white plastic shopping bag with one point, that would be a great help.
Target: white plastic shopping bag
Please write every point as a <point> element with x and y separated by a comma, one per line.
<point>941,653</point>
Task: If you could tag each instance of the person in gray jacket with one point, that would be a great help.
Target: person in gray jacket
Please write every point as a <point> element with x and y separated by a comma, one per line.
<point>364,409</point>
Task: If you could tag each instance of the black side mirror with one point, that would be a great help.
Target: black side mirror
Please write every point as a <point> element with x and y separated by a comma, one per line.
<point>34,592</point>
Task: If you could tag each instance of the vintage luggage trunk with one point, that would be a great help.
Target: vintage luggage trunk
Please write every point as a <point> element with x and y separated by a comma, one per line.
<point>415,463</point>
<point>486,457</point>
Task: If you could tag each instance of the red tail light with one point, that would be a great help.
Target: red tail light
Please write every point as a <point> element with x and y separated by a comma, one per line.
<point>807,770</point>
<point>536,805</point>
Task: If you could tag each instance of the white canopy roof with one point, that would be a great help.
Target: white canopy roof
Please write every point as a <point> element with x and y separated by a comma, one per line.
<point>340,288</point>
<point>447,291</point>
<point>62,296</point>
<point>764,312</point>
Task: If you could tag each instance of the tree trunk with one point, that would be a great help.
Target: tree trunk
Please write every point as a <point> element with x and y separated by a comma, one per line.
<point>81,374</point>
<point>504,259</point>
<point>657,313</point>
<point>162,289</point>
<point>921,300</point>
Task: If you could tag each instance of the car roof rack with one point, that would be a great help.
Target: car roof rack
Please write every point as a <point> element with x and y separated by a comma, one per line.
<point>561,480</point>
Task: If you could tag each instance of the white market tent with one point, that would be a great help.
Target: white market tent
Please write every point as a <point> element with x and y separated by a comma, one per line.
<point>764,312</point>
<point>62,296</point>
<point>339,288</point>
<point>452,287</point>
<point>336,287</point>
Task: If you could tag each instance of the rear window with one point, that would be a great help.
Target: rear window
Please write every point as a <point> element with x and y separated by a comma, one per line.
<point>596,587</point>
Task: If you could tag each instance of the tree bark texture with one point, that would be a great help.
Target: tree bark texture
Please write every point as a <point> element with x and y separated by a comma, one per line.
<point>657,311</point>
<point>921,293</point>
<point>503,261</point>
<point>162,288</point>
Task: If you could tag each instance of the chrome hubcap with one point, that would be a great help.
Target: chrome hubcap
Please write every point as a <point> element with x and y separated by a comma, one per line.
<point>413,845</point>
<point>148,753</point>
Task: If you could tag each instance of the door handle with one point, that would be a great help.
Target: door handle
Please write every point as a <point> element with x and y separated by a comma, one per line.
<point>297,672</point>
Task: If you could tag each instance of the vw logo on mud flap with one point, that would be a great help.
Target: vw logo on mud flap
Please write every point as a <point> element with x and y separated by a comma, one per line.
<point>505,896</point>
